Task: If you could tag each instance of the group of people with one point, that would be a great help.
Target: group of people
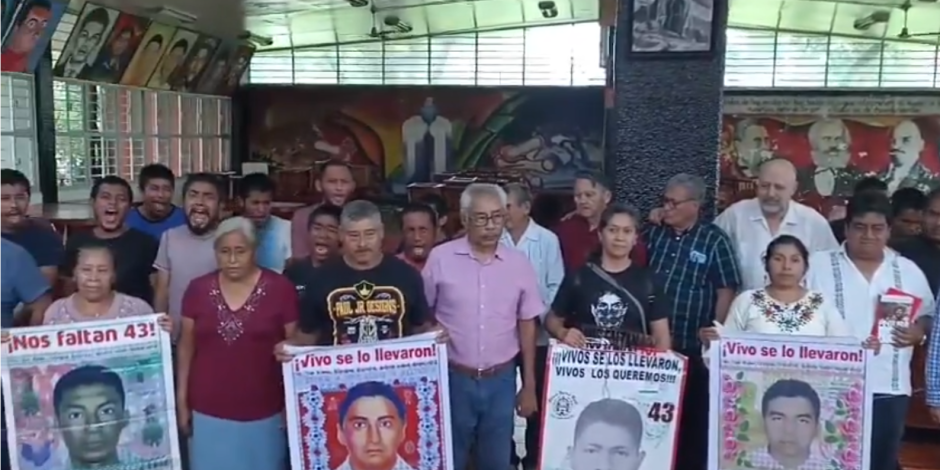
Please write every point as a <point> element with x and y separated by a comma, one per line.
<point>237,291</point>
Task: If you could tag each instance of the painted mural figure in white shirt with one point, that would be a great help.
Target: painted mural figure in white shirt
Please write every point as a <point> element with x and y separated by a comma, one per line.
<point>428,140</point>
<point>753,223</point>
<point>855,277</point>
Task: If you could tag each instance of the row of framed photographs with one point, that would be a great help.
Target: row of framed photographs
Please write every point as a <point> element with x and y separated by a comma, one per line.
<point>109,46</point>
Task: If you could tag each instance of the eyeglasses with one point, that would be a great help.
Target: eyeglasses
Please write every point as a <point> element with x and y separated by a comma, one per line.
<point>672,203</point>
<point>481,220</point>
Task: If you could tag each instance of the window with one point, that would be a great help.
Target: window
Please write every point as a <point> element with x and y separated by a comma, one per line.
<point>17,126</point>
<point>764,59</point>
<point>114,130</point>
<point>563,55</point>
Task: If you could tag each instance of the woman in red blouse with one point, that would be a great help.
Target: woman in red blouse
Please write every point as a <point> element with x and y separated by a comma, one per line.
<point>229,387</point>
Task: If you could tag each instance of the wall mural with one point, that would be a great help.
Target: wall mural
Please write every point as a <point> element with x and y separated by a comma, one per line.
<point>409,134</point>
<point>834,142</point>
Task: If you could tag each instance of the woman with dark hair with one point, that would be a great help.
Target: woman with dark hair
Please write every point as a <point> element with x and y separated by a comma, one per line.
<point>610,299</point>
<point>784,306</point>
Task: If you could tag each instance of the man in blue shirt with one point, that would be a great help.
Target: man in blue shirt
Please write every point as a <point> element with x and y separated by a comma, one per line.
<point>20,282</point>
<point>37,237</point>
<point>156,213</point>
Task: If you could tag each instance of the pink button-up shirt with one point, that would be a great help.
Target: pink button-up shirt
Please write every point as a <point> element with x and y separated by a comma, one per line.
<point>480,303</point>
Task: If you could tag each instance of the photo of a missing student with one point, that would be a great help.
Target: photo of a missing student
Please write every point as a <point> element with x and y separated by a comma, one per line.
<point>218,67</point>
<point>608,433</point>
<point>186,77</point>
<point>89,34</point>
<point>236,68</point>
<point>30,31</point>
<point>152,47</point>
<point>116,53</point>
<point>182,42</point>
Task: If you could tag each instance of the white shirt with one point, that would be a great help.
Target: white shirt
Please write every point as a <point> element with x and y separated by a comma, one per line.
<point>750,233</point>
<point>400,464</point>
<point>543,250</point>
<point>832,273</point>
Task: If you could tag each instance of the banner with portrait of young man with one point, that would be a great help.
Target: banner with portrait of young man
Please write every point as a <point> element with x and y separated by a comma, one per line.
<point>611,408</point>
<point>780,401</point>
<point>91,395</point>
<point>369,406</point>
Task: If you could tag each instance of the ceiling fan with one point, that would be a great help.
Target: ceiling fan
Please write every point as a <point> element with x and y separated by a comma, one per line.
<point>906,33</point>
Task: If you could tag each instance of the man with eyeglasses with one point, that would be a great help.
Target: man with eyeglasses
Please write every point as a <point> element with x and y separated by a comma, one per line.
<point>694,261</point>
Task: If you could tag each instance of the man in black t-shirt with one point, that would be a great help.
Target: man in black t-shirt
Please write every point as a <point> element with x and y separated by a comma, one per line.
<point>134,251</point>
<point>323,239</point>
<point>363,296</point>
<point>610,298</point>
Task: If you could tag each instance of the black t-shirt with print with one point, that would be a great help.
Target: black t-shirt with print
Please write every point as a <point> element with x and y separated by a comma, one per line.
<point>300,273</point>
<point>346,305</point>
<point>134,252</point>
<point>589,303</point>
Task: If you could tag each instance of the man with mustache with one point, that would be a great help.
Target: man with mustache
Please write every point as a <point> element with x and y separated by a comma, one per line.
<point>133,250</point>
<point>337,185</point>
<point>186,252</point>
<point>419,227</point>
<point>85,43</point>
<point>832,174</point>
<point>156,213</point>
<point>753,223</point>
<point>906,170</point>
<point>37,237</point>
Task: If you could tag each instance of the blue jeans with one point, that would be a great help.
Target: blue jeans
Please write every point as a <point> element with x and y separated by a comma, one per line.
<point>482,413</point>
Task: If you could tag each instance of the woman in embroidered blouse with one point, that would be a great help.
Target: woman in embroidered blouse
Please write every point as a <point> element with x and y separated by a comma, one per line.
<point>95,297</point>
<point>229,386</point>
<point>784,306</point>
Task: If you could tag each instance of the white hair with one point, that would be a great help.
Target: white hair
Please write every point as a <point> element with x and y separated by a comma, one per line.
<point>478,190</point>
<point>695,185</point>
<point>359,210</point>
<point>237,224</point>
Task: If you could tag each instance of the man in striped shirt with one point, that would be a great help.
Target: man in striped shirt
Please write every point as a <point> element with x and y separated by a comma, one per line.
<point>695,262</point>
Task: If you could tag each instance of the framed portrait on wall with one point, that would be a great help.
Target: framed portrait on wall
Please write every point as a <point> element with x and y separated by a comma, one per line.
<point>88,36</point>
<point>182,42</point>
<point>666,27</point>
<point>238,63</point>
<point>115,54</point>
<point>186,77</point>
<point>155,42</point>
<point>28,33</point>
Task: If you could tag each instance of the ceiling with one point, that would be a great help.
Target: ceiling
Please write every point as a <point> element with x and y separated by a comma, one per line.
<point>299,23</point>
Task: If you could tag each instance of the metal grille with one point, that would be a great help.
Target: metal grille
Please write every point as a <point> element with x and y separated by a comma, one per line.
<point>18,145</point>
<point>564,55</point>
<point>769,59</point>
<point>109,129</point>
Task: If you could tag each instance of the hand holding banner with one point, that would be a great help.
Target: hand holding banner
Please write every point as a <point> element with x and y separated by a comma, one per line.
<point>91,395</point>
<point>789,401</point>
<point>394,391</point>
<point>611,409</point>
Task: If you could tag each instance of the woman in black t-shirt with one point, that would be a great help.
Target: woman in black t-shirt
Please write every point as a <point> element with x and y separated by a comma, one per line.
<point>610,298</point>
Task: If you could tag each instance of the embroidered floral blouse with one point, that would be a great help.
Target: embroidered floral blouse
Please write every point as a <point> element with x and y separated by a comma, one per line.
<point>757,312</point>
<point>63,311</point>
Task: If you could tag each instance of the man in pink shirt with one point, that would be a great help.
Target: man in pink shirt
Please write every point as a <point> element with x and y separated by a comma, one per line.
<point>337,185</point>
<point>486,295</point>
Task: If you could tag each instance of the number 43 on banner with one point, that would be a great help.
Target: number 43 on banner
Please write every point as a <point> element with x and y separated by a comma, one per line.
<point>140,330</point>
<point>662,412</point>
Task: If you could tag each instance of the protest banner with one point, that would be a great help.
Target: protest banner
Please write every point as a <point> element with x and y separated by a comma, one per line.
<point>611,409</point>
<point>91,395</point>
<point>781,401</point>
<point>376,405</point>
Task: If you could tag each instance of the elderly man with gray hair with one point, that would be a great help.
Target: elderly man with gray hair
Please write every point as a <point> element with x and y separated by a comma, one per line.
<point>486,295</point>
<point>695,263</point>
<point>541,247</point>
<point>362,296</point>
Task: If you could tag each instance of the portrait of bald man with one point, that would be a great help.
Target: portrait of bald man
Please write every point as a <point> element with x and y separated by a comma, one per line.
<point>753,223</point>
<point>832,174</point>
<point>907,170</point>
<point>752,146</point>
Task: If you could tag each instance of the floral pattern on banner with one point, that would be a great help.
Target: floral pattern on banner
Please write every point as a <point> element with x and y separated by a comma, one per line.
<point>841,433</point>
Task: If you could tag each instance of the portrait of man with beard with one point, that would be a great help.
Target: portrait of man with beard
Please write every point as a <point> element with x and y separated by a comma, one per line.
<point>831,174</point>
<point>752,146</point>
<point>85,42</point>
<point>906,169</point>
